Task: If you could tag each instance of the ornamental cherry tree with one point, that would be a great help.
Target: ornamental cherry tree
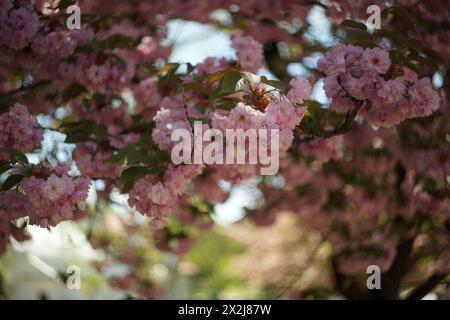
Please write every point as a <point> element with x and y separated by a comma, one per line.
<point>368,170</point>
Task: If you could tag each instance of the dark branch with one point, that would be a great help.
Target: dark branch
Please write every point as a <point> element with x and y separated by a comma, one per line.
<point>426,287</point>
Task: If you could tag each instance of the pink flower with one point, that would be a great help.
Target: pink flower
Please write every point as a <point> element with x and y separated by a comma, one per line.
<point>300,90</point>
<point>354,61</point>
<point>147,47</point>
<point>13,205</point>
<point>408,74</point>
<point>244,117</point>
<point>168,120</point>
<point>159,194</point>
<point>56,45</point>
<point>377,59</point>
<point>424,100</point>
<point>249,52</point>
<point>54,187</point>
<point>219,119</point>
<point>211,65</point>
<point>82,36</point>
<point>392,90</point>
<point>356,73</point>
<point>55,198</point>
<point>18,28</point>
<point>386,115</point>
<point>146,94</point>
<point>339,102</point>
<point>283,114</point>
<point>324,149</point>
<point>19,129</point>
<point>356,87</point>
<point>177,178</point>
<point>333,63</point>
<point>157,198</point>
<point>92,161</point>
<point>98,74</point>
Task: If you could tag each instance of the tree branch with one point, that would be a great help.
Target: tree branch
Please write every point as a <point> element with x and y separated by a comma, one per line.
<point>392,278</point>
<point>346,285</point>
<point>426,287</point>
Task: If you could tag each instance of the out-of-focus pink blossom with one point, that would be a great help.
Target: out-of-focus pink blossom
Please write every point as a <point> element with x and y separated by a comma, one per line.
<point>19,130</point>
<point>249,52</point>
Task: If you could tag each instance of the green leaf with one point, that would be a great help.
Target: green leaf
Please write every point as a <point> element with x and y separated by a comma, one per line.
<point>133,173</point>
<point>76,137</point>
<point>276,84</point>
<point>97,46</point>
<point>130,175</point>
<point>227,103</point>
<point>83,130</point>
<point>229,82</point>
<point>73,91</point>
<point>404,17</point>
<point>432,54</point>
<point>63,4</point>
<point>189,67</point>
<point>5,100</point>
<point>118,157</point>
<point>217,76</point>
<point>4,166</point>
<point>416,45</point>
<point>168,68</point>
<point>98,98</point>
<point>427,62</point>
<point>385,13</point>
<point>146,137</point>
<point>11,182</point>
<point>395,36</point>
<point>194,86</point>
<point>100,132</point>
<point>16,155</point>
<point>119,41</point>
<point>354,25</point>
<point>216,94</point>
<point>251,78</point>
<point>360,38</point>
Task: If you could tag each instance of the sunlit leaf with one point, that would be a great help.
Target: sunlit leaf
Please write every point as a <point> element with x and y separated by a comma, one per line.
<point>11,182</point>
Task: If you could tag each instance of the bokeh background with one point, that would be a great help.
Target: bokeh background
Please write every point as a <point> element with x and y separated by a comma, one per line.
<point>233,259</point>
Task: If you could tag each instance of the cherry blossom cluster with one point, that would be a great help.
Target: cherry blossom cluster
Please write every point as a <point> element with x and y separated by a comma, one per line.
<point>324,149</point>
<point>19,130</point>
<point>12,205</point>
<point>19,26</point>
<point>249,52</point>
<point>277,112</point>
<point>110,87</point>
<point>387,93</point>
<point>53,195</point>
<point>92,161</point>
<point>48,196</point>
<point>157,196</point>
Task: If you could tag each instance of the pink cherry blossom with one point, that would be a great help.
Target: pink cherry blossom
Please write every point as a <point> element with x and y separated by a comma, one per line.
<point>19,129</point>
<point>377,60</point>
<point>19,27</point>
<point>300,90</point>
<point>249,52</point>
<point>424,100</point>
